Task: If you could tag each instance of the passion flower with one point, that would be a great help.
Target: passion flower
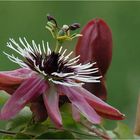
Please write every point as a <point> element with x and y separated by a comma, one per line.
<point>51,75</point>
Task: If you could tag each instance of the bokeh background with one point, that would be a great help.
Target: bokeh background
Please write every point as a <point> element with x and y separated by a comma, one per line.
<point>28,19</point>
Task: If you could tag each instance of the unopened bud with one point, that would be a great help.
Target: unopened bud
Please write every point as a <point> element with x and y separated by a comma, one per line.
<point>97,43</point>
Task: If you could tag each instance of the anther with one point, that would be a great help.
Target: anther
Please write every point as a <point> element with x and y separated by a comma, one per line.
<point>51,18</point>
<point>74,26</point>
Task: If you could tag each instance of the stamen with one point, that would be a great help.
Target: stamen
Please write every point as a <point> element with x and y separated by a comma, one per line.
<point>70,84</point>
<point>35,46</point>
<point>86,66</point>
<point>9,45</point>
<point>63,52</point>
<point>48,49</point>
<point>60,49</point>
<point>76,66</point>
<point>69,64</point>
<point>88,72</point>
<point>43,47</point>
<point>40,52</point>
<point>29,47</point>
<point>63,74</point>
<point>62,55</point>
<point>89,80</point>
<point>74,58</point>
<point>69,55</point>
<point>16,60</point>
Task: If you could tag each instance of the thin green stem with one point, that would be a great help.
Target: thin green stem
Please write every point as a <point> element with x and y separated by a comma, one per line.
<point>97,132</point>
<point>5,132</point>
<point>58,45</point>
<point>73,131</point>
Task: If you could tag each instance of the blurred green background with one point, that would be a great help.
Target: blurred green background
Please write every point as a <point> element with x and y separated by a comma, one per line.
<point>28,19</point>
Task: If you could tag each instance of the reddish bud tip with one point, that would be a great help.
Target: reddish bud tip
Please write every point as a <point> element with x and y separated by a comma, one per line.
<point>97,43</point>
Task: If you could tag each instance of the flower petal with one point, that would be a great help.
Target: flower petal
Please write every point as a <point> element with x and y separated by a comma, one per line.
<point>80,103</point>
<point>51,100</point>
<point>98,89</point>
<point>14,77</point>
<point>39,110</point>
<point>75,113</point>
<point>100,106</point>
<point>9,88</point>
<point>29,89</point>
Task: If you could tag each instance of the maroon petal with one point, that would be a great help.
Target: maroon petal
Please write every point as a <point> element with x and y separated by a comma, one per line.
<point>39,110</point>
<point>100,106</point>
<point>80,103</point>
<point>98,89</point>
<point>75,113</point>
<point>51,100</point>
<point>29,89</point>
<point>10,89</point>
<point>14,77</point>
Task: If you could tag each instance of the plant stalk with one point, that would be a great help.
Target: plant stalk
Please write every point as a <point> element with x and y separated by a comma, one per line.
<point>97,132</point>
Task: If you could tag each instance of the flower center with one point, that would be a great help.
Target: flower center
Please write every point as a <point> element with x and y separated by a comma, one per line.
<point>47,63</point>
<point>56,67</point>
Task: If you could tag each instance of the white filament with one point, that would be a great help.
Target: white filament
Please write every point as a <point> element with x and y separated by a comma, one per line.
<point>81,72</point>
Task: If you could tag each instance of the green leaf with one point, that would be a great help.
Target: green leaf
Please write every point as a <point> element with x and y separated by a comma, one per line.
<point>68,121</point>
<point>20,121</point>
<point>7,137</point>
<point>123,131</point>
<point>56,135</point>
<point>111,134</point>
<point>36,129</point>
<point>22,136</point>
<point>73,126</point>
<point>3,97</point>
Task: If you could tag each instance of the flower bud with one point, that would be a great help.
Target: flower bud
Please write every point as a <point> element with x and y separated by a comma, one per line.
<point>96,46</point>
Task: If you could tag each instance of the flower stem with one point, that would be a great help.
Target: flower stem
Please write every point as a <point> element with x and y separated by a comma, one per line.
<point>73,131</point>
<point>97,132</point>
<point>58,45</point>
<point>7,132</point>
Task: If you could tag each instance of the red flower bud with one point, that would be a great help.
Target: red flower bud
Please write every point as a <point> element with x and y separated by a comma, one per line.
<point>96,45</point>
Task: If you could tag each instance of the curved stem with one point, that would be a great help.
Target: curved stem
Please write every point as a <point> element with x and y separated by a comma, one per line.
<point>97,132</point>
<point>58,45</point>
<point>73,131</point>
<point>7,132</point>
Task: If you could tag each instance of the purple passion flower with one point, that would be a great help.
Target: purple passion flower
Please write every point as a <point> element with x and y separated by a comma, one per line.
<point>51,74</point>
